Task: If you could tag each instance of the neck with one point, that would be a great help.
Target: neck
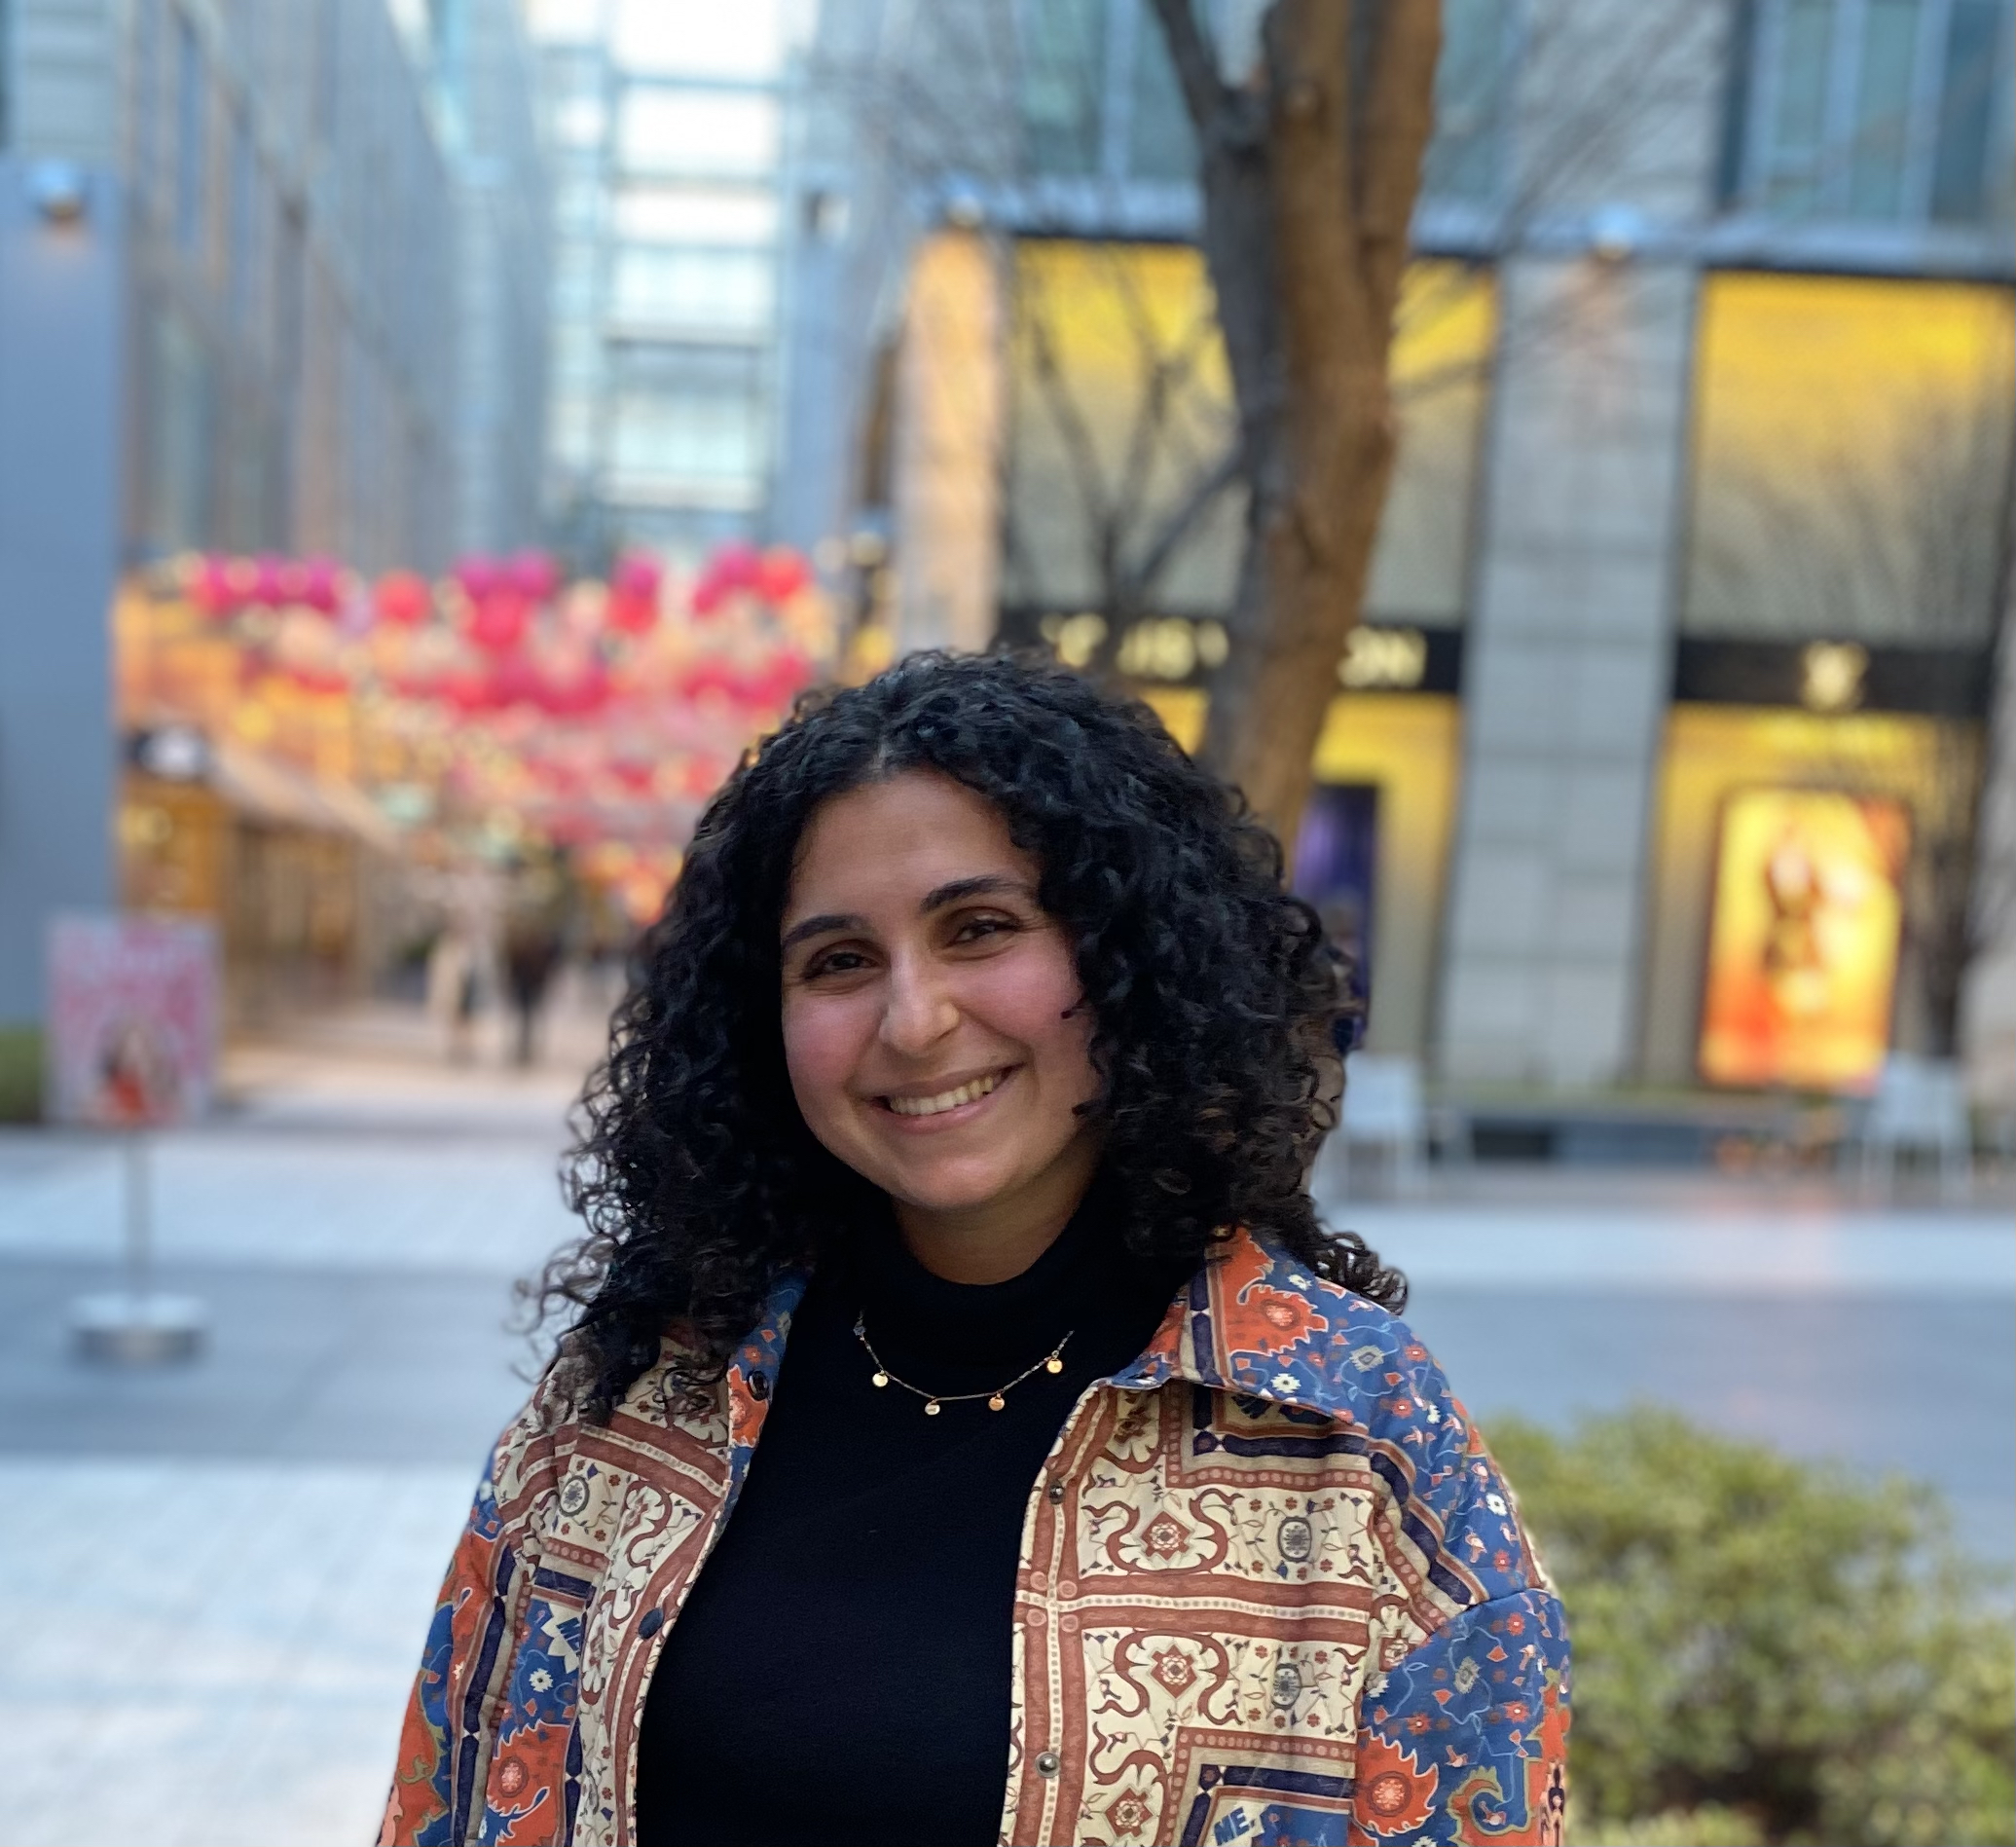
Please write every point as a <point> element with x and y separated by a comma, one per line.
<point>998,1239</point>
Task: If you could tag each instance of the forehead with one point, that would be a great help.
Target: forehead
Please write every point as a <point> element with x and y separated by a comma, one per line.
<point>899,838</point>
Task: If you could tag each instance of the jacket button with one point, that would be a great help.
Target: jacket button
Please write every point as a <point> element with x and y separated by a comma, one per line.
<point>760,1386</point>
<point>1049,1763</point>
<point>654,1621</point>
<point>1056,1493</point>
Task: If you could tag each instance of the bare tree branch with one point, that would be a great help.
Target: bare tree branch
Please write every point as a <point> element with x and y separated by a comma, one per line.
<point>1398,119</point>
<point>1196,64</point>
<point>1179,527</point>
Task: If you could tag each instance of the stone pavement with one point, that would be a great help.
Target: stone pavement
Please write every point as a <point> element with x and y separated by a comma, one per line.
<point>228,1567</point>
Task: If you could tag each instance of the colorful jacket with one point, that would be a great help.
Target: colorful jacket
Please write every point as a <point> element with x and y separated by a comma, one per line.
<point>1272,1589</point>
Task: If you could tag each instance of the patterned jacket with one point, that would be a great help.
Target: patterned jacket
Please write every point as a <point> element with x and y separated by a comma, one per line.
<point>1272,1589</point>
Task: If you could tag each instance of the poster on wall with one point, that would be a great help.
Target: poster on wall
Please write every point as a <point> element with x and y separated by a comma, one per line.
<point>1803,939</point>
<point>1336,855</point>
<point>132,1020</point>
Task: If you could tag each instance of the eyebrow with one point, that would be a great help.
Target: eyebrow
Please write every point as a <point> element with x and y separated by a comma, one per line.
<point>953,892</point>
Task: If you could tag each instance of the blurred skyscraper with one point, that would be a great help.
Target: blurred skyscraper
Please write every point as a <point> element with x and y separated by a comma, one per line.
<point>668,137</point>
<point>272,278</point>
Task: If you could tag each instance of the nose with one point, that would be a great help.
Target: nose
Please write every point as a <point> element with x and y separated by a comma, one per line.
<point>919,1011</point>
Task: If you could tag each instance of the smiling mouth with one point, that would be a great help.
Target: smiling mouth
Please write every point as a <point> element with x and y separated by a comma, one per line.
<point>970,1092</point>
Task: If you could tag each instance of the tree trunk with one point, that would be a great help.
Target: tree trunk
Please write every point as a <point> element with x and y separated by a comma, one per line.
<point>1308,182</point>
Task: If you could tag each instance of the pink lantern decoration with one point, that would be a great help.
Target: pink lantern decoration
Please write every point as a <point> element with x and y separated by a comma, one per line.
<point>211,587</point>
<point>271,581</point>
<point>633,601</point>
<point>479,577</point>
<point>533,575</point>
<point>320,585</point>
<point>516,681</point>
<point>403,598</point>
<point>737,567</point>
<point>576,694</point>
<point>781,575</point>
<point>638,573</point>
<point>469,690</point>
<point>706,596</point>
<point>500,621</point>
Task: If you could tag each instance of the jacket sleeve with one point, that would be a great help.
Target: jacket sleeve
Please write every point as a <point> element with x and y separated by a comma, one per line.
<point>451,1717</point>
<point>1466,1737</point>
<point>1463,1721</point>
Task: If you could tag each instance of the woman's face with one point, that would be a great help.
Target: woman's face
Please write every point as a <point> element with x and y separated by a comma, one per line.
<point>930,1018</point>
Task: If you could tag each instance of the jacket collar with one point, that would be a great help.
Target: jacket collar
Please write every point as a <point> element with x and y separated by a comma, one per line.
<point>1254,1320</point>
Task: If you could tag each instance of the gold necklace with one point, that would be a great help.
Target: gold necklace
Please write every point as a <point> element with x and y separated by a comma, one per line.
<point>936,1401</point>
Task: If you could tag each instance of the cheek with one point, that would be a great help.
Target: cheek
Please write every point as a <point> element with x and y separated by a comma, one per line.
<point>1027,998</point>
<point>824,1040</point>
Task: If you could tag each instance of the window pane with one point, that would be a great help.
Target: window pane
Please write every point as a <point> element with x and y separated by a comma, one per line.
<point>1160,143</point>
<point>572,430</point>
<point>577,22</point>
<point>696,215</point>
<point>574,272</point>
<point>1469,86</point>
<point>668,441</point>
<point>711,290</point>
<point>1974,72</point>
<point>580,122</point>
<point>740,40</point>
<point>1063,71</point>
<point>1800,120</point>
<point>690,132</point>
<point>1882,109</point>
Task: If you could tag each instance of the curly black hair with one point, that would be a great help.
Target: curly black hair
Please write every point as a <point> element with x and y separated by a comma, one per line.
<point>1214,995</point>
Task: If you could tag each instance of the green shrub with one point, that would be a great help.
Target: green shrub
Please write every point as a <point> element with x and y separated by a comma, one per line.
<point>20,1074</point>
<point>1766,1650</point>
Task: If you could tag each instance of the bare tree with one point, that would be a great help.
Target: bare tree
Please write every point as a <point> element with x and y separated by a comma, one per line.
<point>1267,421</point>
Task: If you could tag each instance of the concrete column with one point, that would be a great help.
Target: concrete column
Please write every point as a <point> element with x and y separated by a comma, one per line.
<point>1988,1001</point>
<point>1614,132</point>
<point>61,296</point>
<point>946,487</point>
<point>1566,673</point>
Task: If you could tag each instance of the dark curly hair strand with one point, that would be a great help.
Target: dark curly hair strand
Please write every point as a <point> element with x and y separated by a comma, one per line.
<point>1213,992</point>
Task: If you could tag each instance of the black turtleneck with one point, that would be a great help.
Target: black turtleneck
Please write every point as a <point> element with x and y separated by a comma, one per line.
<point>840,1672</point>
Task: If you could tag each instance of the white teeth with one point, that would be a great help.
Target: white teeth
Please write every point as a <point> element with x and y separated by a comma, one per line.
<point>945,1099</point>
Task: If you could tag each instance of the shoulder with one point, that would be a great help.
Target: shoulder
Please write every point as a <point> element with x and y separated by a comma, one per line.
<point>1286,1334</point>
<point>556,1477</point>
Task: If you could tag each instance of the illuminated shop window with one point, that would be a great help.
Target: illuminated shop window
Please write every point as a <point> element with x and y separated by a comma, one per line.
<point>1100,466</point>
<point>1850,460</point>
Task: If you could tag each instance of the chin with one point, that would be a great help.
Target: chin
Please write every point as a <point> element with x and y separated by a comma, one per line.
<point>953,1192</point>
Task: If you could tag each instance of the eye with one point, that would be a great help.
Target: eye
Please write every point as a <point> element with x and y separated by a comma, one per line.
<point>978,929</point>
<point>833,962</point>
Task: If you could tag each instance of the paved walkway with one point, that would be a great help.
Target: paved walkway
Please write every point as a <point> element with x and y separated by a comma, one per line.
<point>229,1566</point>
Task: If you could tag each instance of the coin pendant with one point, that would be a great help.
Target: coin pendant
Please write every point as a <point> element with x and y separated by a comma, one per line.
<point>931,1408</point>
<point>996,1402</point>
<point>882,1379</point>
<point>1053,1364</point>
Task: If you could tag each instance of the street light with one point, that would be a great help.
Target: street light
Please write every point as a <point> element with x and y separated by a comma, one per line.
<point>61,190</point>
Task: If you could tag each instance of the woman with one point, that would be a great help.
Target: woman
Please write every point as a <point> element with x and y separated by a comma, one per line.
<point>950,1156</point>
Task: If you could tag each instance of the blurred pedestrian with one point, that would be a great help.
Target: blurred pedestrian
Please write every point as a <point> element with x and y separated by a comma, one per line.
<point>536,926</point>
<point>451,971</point>
<point>950,1153</point>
